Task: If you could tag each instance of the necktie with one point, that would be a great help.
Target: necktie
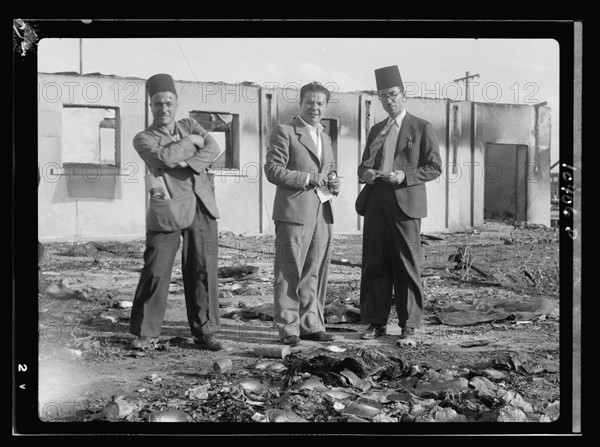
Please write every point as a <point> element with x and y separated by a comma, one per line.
<point>377,144</point>
<point>389,149</point>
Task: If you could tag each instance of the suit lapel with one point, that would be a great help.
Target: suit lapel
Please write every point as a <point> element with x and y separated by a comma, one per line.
<point>376,129</point>
<point>305,138</point>
<point>405,134</point>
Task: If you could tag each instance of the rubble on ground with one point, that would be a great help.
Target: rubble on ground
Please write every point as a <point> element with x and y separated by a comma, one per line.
<point>487,351</point>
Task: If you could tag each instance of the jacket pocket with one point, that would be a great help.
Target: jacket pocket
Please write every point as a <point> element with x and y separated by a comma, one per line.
<point>171,214</point>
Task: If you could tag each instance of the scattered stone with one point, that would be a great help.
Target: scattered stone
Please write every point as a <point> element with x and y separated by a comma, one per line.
<point>338,406</point>
<point>494,374</point>
<point>439,414</point>
<point>514,399</point>
<point>62,291</point>
<point>384,418</point>
<point>339,312</point>
<point>484,387</point>
<point>153,378</point>
<point>261,365</point>
<point>199,392</point>
<point>415,370</point>
<point>422,406</point>
<point>553,410</point>
<point>472,343</point>
<point>334,348</point>
<point>511,414</point>
<point>258,417</point>
<point>442,388</point>
<point>119,408</point>
<point>406,343</point>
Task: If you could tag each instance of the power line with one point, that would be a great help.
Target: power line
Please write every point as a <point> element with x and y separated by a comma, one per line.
<point>186,59</point>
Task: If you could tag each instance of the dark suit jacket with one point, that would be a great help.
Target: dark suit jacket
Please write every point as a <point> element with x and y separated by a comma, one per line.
<point>417,154</point>
<point>161,154</point>
<point>292,155</point>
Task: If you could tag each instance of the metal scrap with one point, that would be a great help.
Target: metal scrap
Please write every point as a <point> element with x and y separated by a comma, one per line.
<point>169,416</point>
<point>285,415</point>
<point>363,408</point>
<point>253,385</point>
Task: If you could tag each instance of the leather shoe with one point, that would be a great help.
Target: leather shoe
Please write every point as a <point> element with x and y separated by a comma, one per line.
<point>318,336</point>
<point>407,332</point>
<point>374,331</point>
<point>144,342</point>
<point>291,340</point>
<point>208,341</point>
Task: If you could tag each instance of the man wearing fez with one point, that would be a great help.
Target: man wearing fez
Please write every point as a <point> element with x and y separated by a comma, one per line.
<point>300,162</point>
<point>182,204</point>
<point>401,154</point>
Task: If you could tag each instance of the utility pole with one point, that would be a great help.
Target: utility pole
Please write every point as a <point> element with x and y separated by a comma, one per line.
<point>466,79</point>
<point>80,56</point>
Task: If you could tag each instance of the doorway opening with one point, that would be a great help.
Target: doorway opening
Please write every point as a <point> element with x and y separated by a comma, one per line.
<point>505,182</point>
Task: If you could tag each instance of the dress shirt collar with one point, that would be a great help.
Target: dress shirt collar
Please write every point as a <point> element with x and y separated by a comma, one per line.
<point>399,118</point>
<point>317,128</point>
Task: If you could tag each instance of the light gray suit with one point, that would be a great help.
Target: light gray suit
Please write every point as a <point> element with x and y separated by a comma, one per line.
<point>303,228</point>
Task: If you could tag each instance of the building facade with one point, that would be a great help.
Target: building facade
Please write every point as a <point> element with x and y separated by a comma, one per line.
<point>496,157</point>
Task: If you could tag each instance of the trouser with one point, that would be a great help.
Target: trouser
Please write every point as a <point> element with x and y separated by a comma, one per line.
<point>301,268</point>
<point>199,267</point>
<point>390,261</point>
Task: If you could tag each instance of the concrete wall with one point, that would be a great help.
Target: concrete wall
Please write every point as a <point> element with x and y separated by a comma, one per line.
<point>459,166</point>
<point>62,216</point>
<point>434,111</point>
<point>343,107</point>
<point>539,181</point>
<point>70,209</point>
<point>236,191</point>
<point>519,125</point>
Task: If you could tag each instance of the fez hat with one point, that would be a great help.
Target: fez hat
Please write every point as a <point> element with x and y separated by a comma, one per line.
<point>388,77</point>
<point>161,82</point>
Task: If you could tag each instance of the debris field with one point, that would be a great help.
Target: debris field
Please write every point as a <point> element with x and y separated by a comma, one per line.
<point>487,351</point>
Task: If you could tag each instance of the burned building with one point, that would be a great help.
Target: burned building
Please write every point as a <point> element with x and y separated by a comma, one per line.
<point>496,157</point>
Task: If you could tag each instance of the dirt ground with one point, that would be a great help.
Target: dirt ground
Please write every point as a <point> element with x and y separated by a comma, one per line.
<point>503,369</point>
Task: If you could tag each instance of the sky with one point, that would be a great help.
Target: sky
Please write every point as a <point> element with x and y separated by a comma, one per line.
<point>514,71</point>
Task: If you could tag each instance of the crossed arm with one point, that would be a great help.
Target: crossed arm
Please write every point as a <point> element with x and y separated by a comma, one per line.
<point>197,150</point>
